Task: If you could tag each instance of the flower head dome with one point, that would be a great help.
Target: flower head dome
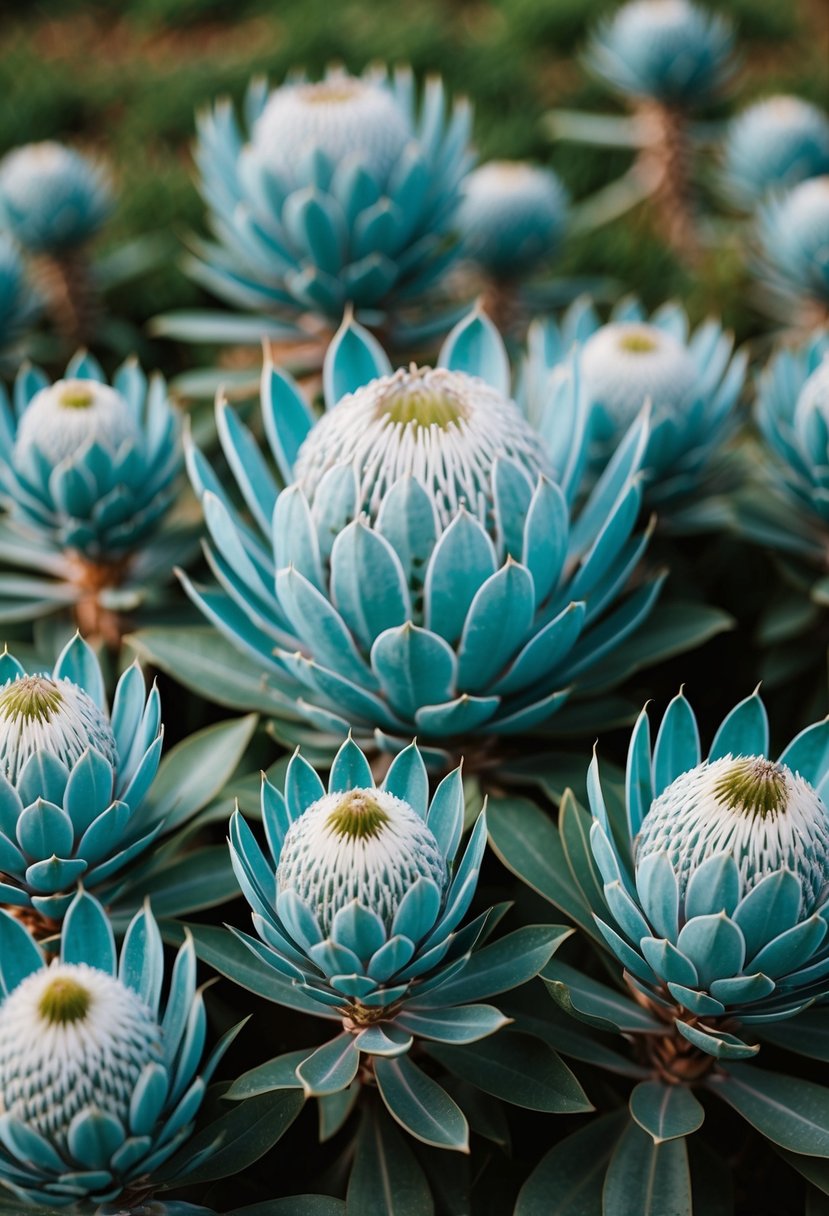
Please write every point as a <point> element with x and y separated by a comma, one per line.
<point>51,197</point>
<point>793,231</point>
<point>341,116</point>
<point>363,844</point>
<point>755,810</point>
<point>73,1037</point>
<point>41,714</point>
<point>772,144</point>
<point>625,364</point>
<point>512,216</point>
<point>68,414</point>
<point>445,428</point>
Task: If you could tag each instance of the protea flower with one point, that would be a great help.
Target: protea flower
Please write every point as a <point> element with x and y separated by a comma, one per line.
<point>73,780</point>
<point>773,144</point>
<point>512,217</point>
<point>358,902</point>
<point>88,473</point>
<point>793,236</point>
<point>692,381</point>
<point>717,892</point>
<point>340,191</point>
<point>99,1083</point>
<point>18,302</point>
<point>426,571</point>
<point>54,200</point>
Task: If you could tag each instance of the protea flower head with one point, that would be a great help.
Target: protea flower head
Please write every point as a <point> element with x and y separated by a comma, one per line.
<point>342,191</point>
<point>73,778</point>
<point>88,473</point>
<point>422,573</point>
<point>98,1082</point>
<point>671,51</point>
<point>717,891</point>
<point>692,381</point>
<point>793,236</point>
<point>18,302</point>
<point>773,144</point>
<point>52,198</point>
<point>512,217</point>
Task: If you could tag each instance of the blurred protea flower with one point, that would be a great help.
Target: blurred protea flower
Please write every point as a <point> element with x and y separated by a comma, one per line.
<point>88,473</point>
<point>73,780</point>
<point>54,200</point>
<point>425,570</point>
<point>692,380</point>
<point>99,1083</point>
<point>18,302</point>
<point>358,902</point>
<point>716,891</point>
<point>773,144</point>
<point>793,237</point>
<point>339,191</point>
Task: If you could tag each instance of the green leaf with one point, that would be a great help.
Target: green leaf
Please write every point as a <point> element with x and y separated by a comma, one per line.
<point>568,1180</point>
<point>574,828</point>
<point>197,769</point>
<point>595,1003</point>
<point>517,1068</point>
<point>332,1067</point>
<point>786,1110</point>
<point>279,1073</point>
<point>527,842</point>
<point>571,1038</point>
<point>420,1105</point>
<point>814,1169</point>
<point>506,963</point>
<point>665,1112</point>
<point>294,1205</point>
<point>334,1109</point>
<point>807,1034</point>
<point>647,1179</point>
<point>386,1179</point>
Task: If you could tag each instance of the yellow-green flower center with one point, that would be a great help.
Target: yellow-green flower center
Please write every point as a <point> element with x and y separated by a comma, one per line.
<point>358,816</point>
<point>75,398</point>
<point>30,699</point>
<point>64,1001</point>
<point>325,92</point>
<point>753,787</point>
<point>637,343</point>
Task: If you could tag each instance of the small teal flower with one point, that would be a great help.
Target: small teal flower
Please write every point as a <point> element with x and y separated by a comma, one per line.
<point>73,779</point>
<point>773,144</point>
<point>425,570</point>
<point>512,217</point>
<point>341,191</point>
<point>793,235</point>
<point>716,886</point>
<point>52,198</point>
<point>671,51</point>
<point>99,1081</point>
<point>18,302</point>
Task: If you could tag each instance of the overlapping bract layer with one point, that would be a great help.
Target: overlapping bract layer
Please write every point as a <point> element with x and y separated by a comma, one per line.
<point>793,236</point>
<point>18,302</point>
<point>716,885</point>
<point>73,779</point>
<point>512,217</point>
<point>692,380</point>
<point>772,145</point>
<point>401,624</point>
<point>98,1080</point>
<point>52,198</point>
<point>344,192</point>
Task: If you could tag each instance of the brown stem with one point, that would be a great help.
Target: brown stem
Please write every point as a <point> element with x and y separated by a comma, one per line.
<point>92,618</point>
<point>667,1053</point>
<point>66,283</point>
<point>39,926</point>
<point>666,165</point>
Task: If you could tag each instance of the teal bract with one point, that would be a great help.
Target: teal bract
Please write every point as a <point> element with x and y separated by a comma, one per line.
<point>342,191</point>
<point>18,302</point>
<point>774,144</point>
<point>692,381</point>
<point>512,217</point>
<point>73,779</point>
<point>98,1081</point>
<point>668,50</point>
<point>793,234</point>
<point>53,199</point>
<point>716,888</point>
<point>427,572</point>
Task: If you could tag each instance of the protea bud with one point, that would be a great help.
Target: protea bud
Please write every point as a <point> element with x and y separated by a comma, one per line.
<point>773,144</point>
<point>445,428</point>
<point>70,414</point>
<point>365,845</point>
<point>512,216</point>
<point>52,198</point>
<point>41,714</point>
<point>794,242</point>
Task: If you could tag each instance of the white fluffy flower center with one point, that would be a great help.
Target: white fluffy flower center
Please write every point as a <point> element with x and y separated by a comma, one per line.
<point>364,844</point>
<point>626,363</point>
<point>72,1037</point>
<point>38,713</point>
<point>29,165</point>
<point>67,415</point>
<point>761,813</point>
<point>445,428</point>
<point>341,116</point>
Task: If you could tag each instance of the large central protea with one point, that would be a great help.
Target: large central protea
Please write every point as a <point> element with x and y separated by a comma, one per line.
<point>426,572</point>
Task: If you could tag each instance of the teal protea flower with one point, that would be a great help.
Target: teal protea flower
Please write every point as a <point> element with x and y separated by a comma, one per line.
<point>342,191</point>
<point>512,217</point>
<point>692,382</point>
<point>716,892</point>
<point>793,236</point>
<point>18,302</point>
<point>774,144</point>
<point>358,902</point>
<point>98,1082</point>
<point>88,473</point>
<point>73,779</point>
<point>426,571</point>
<point>52,198</point>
